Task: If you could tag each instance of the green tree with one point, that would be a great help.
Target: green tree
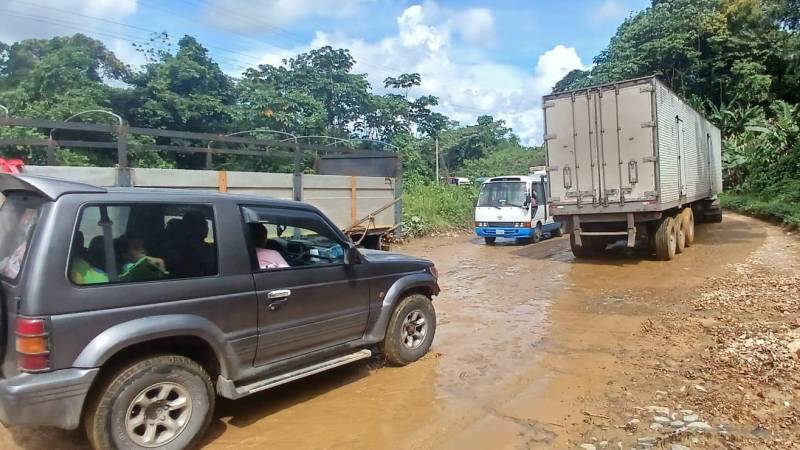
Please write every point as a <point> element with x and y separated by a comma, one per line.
<point>54,79</point>
<point>508,159</point>
<point>184,91</point>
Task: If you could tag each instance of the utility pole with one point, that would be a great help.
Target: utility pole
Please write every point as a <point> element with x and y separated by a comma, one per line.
<point>437,159</point>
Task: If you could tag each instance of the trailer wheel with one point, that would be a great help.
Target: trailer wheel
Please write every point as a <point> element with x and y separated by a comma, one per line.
<point>666,239</point>
<point>680,235</point>
<point>538,234</point>
<point>558,232</point>
<point>715,217</point>
<point>592,245</point>
<point>687,221</point>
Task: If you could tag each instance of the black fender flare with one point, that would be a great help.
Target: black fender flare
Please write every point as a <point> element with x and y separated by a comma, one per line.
<point>126,334</point>
<point>377,331</point>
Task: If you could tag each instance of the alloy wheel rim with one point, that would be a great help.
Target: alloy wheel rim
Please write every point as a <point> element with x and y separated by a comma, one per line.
<point>158,414</point>
<point>414,330</point>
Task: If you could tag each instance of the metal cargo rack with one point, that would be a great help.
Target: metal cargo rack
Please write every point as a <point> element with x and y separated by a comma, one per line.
<point>332,156</point>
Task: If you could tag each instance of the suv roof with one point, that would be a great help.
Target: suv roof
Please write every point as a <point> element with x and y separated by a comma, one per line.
<point>53,188</point>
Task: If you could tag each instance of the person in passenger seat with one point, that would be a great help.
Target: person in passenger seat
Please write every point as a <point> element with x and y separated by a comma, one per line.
<point>86,266</point>
<point>267,259</point>
<point>187,254</point>
<point>135,265</point>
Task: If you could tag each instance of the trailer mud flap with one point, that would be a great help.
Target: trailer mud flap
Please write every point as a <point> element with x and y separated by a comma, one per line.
<point>631,231</point>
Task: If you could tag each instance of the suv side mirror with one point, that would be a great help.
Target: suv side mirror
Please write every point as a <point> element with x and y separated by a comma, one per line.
<point>351,255</point>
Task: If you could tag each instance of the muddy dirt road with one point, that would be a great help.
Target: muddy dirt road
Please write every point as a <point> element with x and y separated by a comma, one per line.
<point>532,346</point>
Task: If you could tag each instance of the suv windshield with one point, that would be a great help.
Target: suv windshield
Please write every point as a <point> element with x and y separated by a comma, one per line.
<point>502,194</point>
<point>18,216</point>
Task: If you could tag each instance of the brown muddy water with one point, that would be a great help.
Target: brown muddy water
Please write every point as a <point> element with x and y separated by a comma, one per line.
<point>527,337</point>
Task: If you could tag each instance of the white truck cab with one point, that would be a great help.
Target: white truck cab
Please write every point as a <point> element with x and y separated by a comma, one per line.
<point>515,207</point>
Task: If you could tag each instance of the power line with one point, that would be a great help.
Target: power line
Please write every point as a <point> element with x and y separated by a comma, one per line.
<point>107,33</point>
<point>138,40</point>
<point>133,27</point>
<point>293,36</point>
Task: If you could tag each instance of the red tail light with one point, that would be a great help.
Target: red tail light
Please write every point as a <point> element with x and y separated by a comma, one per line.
<point>33,345</point>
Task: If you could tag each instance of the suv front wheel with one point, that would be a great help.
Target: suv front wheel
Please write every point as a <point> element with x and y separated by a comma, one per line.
<point>164,402</point>
<point>411,330</point>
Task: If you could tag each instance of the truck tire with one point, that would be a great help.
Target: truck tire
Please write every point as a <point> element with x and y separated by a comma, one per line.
<point>715,217</point>
<point>680,235</point>
<point>558,232</point>
<point>538,233</point>
<point>592,246</point>
<point>687,221</point>
<point>410,331</point>
<point>489,240</point>
<point>164,402</point>
<point>666,237</point>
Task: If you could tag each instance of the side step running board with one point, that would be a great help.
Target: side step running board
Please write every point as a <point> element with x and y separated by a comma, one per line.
<point>224,386</point>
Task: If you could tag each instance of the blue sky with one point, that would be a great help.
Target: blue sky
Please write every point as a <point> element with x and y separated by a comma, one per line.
<point>480,57</point>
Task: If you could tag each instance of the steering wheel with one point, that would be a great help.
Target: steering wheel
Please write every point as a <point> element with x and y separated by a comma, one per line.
<point>305,255</point>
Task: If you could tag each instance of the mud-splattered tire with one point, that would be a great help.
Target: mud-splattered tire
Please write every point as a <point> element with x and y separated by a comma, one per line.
<point>410,331</point>
<point>135,391</point>
<point>666,239</point>
<point>687,220</point>
<point>680,234</point>
<point>538,233</point>
<point>489,240</point>
<point>558,231</point>
<point>716,217</point>
<point>592,246</point>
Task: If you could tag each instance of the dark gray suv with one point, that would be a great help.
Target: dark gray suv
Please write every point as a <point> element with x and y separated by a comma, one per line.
<point>128,311</point>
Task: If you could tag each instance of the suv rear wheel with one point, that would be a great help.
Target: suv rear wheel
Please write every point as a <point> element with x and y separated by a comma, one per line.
<point>410,331</point>
<point>164,402</point>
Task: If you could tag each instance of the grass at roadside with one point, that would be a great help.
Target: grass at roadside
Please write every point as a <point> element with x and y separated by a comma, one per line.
<point>781,202</point>
<point>430,208</point>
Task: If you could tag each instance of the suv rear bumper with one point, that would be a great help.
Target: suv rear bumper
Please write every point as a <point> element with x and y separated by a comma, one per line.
<point>48,399</point>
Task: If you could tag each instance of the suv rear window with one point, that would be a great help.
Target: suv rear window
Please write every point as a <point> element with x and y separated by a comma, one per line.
<point>18,216</point>
<point>143,242</point>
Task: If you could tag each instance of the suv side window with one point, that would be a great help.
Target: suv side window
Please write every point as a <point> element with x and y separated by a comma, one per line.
<point>289,238</point>
<point>128,243</point>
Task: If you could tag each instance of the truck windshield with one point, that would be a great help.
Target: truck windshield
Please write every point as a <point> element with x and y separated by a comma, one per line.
<point>18,216</point>
<point>506,193</point>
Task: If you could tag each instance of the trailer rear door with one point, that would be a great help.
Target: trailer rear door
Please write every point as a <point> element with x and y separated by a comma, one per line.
<point>635,152</point>
<point>571,150</point>
<point>600,145</point>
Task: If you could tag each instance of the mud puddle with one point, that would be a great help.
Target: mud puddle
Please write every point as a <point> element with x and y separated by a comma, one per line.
<point>528,338</point>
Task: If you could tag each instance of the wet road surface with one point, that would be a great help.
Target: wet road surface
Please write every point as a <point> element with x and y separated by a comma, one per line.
<point>524,337</point>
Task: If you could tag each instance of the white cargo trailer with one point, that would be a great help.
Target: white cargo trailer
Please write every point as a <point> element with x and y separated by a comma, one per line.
<point>631,159</point>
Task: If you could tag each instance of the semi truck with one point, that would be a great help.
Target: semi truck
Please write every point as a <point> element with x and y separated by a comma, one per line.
<point>631,160</point>
<point>515,206</point>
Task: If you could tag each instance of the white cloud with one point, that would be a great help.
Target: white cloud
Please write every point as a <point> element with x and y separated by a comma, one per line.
<point>424,43</point>
<point>260,16</point>
<point>54,17</point>
<point>476,25</point>
<point>608,11</point>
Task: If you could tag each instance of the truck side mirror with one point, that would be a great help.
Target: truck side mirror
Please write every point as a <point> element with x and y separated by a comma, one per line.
<point>527,200</point>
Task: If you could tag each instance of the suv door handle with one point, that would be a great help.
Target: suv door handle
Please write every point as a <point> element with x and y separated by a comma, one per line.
<point>281,293</point>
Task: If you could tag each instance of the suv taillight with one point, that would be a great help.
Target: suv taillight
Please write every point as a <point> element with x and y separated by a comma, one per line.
<point>33,344</point>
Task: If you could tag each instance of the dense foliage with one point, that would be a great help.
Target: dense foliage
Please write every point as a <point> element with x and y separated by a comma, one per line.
<point>737,60</point>
<point>315,93</point>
